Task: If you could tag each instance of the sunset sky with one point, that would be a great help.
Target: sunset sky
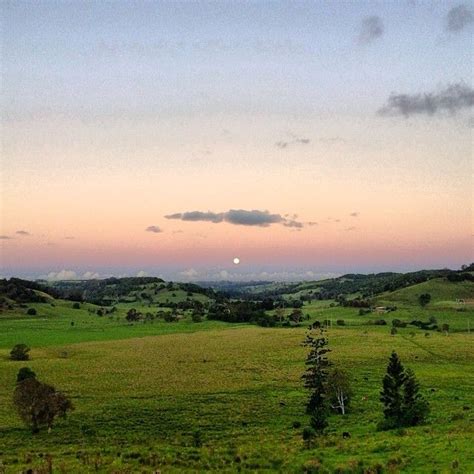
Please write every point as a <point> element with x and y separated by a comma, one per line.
<point>166,138</point>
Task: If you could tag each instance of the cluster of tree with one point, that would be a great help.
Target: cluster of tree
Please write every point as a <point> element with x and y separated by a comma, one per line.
<point>330,389</point>
<point>403,403</point>
<point>460,276</point>
<point>38,404</point>
<point>21,291</point>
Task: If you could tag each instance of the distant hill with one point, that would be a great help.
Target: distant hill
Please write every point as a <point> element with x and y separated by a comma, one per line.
<point>442,291</point>
<point>144,290</point>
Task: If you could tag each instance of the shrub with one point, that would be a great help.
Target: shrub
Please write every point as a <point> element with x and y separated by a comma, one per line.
<point>31,312</point>
<point>197,317</point>
<point>38,404</point>
<point>25,373</point>
<point>393,331</point>
<point>76,306</point>
<point>340,322</point>
<point>20,352</point>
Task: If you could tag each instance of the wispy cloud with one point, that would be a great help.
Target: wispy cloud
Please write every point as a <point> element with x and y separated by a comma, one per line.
<point>5,237</point>
<point>244,217</point>
<point>458,18</point>
<point>451,99</point>
<point>371,29</point>
<point>354,214</point>
<point>154,229</point>
<point>294,140</point>
<point>22,232</point>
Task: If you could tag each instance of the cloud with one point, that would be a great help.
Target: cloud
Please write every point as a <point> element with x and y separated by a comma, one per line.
<point>254,218</point>
<point>295,140</point>
<point>153,228</point>
<point>294,224</point>
<point>69,237</point>
<point>141,274</point>
<point>458,18</point>
<point>312,223</point>
<point>195,216</point>
<point>90,276</point>
<point>62,275</point>
<point>452,99</point>
<point>350,229</point>
<point>354,214</point>
<point>190,273</point>
<point>22,232</point>
<point>5,237</point>
<point>371,28</point>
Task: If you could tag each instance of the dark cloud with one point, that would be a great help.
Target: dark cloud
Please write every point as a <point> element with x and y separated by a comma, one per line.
<point>354,214</point>
<point>254,217</point>
<point>154,229</point>
<point>458,18</point>
<point>452,99</point>
<point>5,237</point>
<point>196,216</point>
<point>22,232</point>
<point>294,141</point>
<point>371,28</point>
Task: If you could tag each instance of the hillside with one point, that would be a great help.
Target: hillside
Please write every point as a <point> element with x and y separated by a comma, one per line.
<point>443,292</point>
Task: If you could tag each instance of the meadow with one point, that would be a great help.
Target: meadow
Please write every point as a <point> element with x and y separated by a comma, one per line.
<point>212,396</point>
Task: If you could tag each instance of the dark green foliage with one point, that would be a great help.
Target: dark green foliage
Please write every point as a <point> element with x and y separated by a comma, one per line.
<point>25,373</point>
<point>415,407</point>
<point>197,316</point>
<point>76,305</point>
<point>340,322</point>
<point>424,299</point>
<point>133,315</point>
<point>38,404</point>
<point>316,380</point>
<point>404,405</point>
<point>20,352</point>
<point>31,312</point>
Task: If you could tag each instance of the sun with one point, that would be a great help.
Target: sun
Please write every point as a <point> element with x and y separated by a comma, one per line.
<point>236,260</point>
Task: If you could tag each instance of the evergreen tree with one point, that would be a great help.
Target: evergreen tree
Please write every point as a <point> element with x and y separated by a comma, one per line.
<point>404,405</point>
<point>391,395</point>
<point>315,380</point>
<point>415,407</point>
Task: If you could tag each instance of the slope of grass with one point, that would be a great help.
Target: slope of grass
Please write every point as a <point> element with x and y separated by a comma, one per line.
<point>141,404</point>
<point>443,294</point>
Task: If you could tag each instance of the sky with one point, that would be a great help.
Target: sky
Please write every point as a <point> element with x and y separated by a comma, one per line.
<point>308,139</point>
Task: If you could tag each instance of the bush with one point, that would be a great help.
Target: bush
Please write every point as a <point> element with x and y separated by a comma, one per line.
<point>20,352</point>
<point>25,373</point>
<point>31,312</point>
<point>76,306</point>
<point>197,317</point>
<point>340,322</point>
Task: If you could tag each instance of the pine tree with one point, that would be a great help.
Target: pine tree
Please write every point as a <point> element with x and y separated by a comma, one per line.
<point>315,380</point>
<point>391,395</point>
<point>404,405</point>
<point>415,407</point>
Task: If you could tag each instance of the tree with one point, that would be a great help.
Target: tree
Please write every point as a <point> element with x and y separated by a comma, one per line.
<point>280,314</point>
<point>20,352</point>
<point>340,392</point>
<point>415,407</point>
<point>391,395</point>
<point>31,312</point>
<point>296,316</point>
<point>38,404</point>
<point>25,373</point>
<point>133,315</point>
<point>424,299</point>
<point>404,405</point>
<point>316,380</point>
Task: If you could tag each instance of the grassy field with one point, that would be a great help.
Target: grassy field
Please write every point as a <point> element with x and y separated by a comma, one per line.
<point>192,397</point>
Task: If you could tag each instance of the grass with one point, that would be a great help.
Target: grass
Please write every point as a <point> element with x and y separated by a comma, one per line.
<point>193,397</point>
